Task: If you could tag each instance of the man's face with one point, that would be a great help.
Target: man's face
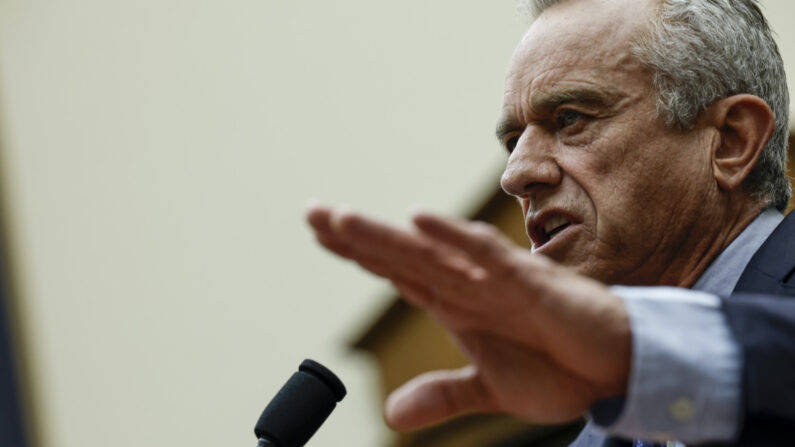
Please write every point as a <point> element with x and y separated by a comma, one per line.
<point>606,188</point>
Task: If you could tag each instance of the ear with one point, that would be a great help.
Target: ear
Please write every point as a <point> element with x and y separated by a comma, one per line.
<point>745,124</point>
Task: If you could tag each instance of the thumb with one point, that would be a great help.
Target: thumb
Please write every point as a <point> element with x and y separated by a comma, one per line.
<point>435,397</point>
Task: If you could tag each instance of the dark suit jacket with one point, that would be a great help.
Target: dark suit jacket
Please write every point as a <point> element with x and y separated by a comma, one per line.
<point>761,315</point>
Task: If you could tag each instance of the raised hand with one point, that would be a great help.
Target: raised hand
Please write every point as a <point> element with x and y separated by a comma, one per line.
<point>544,343</point>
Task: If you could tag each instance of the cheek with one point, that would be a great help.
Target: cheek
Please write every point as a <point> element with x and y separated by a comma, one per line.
<point>618,188</point>
<point>600,175</point>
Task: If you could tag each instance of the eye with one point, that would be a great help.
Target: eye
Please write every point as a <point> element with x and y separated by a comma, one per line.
<point>567,119</point>
<point>511,142</point>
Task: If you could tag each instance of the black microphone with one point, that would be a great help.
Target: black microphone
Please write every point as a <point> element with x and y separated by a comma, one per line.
<point>300,407</point>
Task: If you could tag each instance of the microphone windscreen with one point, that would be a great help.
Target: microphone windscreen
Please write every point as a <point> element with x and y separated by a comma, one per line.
<point>301,406</point>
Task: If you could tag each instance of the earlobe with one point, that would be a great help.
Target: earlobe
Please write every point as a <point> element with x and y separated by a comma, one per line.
<point>745,124</point>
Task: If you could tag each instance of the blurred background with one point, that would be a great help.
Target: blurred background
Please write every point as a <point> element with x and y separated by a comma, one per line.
<point>156,158</point>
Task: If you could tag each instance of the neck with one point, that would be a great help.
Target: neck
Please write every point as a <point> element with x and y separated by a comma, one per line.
<point>690,247</point>
<point>707,240</point>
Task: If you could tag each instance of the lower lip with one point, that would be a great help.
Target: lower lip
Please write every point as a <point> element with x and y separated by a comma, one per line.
<point>558,239</point>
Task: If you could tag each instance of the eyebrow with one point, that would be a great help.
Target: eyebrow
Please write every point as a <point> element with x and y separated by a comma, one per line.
<point>505,126</point>
<point>544,102</point>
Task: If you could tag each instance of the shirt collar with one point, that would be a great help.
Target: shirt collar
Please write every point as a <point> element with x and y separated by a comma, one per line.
<point>722,275</point>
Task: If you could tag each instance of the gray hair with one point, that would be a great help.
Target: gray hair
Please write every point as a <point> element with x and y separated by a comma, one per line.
<point>703,50</point>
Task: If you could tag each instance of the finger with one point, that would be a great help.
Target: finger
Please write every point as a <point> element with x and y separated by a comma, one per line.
<point>408,255</point>
<point>335,246</point>
<point>435,397</point>
<point>319,218</point>
<point>372,236</point>
<point>417,294</point>
<point>454,316</point>
<point>413,293</point>
<point>480,241</point>
<point>433,297</point>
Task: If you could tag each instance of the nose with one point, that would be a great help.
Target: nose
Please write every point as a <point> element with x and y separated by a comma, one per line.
<point>531,165</point>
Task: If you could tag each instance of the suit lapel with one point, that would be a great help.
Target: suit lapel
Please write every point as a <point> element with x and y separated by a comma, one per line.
<point>771,268</point>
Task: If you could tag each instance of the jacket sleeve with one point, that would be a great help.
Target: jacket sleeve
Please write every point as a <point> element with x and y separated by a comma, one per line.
<point>764,328</point>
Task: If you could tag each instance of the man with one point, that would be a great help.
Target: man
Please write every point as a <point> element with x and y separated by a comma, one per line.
<point>647,147</point>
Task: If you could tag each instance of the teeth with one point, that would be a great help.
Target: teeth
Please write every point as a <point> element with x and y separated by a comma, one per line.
<point>555,223</point>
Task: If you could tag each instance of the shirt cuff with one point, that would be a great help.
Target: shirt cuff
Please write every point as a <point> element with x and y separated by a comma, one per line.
<point>685,378</point>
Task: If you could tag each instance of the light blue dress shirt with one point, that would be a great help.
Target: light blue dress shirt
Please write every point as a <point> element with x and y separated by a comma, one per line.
<point>684,381</point>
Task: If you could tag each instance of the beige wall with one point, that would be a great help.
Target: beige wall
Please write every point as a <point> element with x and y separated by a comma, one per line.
<point>781,14</point>
<point>157,156</point>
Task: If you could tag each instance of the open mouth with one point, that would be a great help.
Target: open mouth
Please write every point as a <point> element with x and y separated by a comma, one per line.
<point>548,228</point>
